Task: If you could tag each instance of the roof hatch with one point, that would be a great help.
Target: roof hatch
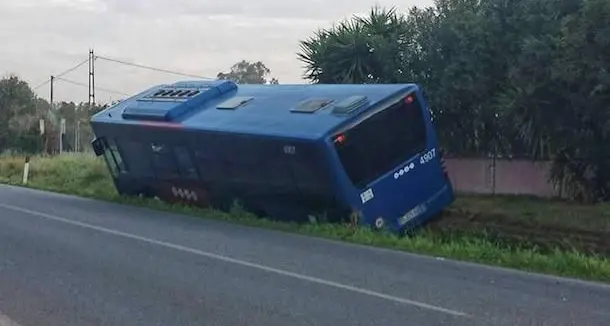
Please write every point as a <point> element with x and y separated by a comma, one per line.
<point>168,102</point>
<point>350,104</point>
<point>234,102</point>
<point>311,105</point>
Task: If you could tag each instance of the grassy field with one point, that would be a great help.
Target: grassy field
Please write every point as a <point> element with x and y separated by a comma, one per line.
<point>531,234</point>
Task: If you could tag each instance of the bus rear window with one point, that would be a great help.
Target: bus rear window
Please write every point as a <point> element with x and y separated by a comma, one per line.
<point>383,141</point>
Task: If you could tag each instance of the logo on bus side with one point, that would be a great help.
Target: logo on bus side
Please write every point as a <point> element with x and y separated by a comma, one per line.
<point>184,193</point>
<point>404,170</point>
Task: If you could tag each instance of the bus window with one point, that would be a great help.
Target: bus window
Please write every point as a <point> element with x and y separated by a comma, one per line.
<point>209,157</point>
<point>114,170</point>
<point>257,161</point>
<point>185,164</point>
<point>163,161</point>
<point>382,141</point>
<point>136,158</point>
<point>115,158</point>
<point>309,171</point>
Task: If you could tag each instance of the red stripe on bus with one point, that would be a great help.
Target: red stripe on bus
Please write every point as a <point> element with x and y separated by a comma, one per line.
<point>161,124</point>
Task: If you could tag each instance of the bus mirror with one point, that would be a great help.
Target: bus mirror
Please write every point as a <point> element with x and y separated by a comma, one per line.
<point>98,146</point>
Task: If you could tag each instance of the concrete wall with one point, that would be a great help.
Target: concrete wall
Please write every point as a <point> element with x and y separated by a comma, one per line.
<point>478,175</point>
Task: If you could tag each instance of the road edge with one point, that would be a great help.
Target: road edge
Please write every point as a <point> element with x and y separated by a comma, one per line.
<point>550,277</point>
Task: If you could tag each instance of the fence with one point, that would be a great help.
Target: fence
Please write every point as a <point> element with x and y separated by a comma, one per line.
<point>501,176</point>
<point>45,138</point>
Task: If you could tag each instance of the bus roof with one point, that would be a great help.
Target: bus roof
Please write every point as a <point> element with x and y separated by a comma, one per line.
<point>307,111</point>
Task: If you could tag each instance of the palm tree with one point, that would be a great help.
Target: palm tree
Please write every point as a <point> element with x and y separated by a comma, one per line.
<point>360,50</point>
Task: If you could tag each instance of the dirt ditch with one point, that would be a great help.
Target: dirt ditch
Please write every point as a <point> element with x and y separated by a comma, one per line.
<point>523,233</point>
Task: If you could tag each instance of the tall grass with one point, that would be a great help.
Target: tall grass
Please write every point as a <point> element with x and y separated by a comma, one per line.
<point>79,174</point>
<point>86,175</point>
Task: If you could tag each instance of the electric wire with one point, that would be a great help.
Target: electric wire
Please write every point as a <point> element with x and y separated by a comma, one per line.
<point>152,68</point>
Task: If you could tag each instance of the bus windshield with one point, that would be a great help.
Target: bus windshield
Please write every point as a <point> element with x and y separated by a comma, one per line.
<point>383,141</point>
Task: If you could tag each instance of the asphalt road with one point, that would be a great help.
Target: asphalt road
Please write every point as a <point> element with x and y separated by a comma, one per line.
<point>72,261</point>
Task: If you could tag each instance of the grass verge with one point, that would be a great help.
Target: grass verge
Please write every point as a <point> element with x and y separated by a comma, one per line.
<point>464,235</point>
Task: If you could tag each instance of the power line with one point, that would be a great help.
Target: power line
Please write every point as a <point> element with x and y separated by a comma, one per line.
<point>151,68</point>
<point>97,88</point>
<point>61,74</point>
<point>41,84</point>
<point>72,69</point>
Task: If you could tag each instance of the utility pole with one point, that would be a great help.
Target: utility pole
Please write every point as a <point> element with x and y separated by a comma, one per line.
<point>91,77</point>
<point>51,95</point>
<point>51,104</point>
<point>91,95</point>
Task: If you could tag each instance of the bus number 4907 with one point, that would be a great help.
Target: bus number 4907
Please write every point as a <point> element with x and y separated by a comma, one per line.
<point>428,156</point>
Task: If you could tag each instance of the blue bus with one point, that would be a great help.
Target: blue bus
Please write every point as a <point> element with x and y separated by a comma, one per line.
<point>368,153</point>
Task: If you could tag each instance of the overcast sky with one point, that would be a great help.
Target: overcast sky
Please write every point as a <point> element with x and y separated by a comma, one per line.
<point>201,37</point>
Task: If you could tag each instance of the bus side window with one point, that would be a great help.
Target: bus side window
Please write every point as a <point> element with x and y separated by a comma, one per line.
<point>163,160</point>
<point>117,156</point>
<point>185,164</point>
<point>309,172</point>
<point>210,159</point>
<point>136,158</point>
<point>274,157</point>
<point>114,170</point>
<point>248,168</point>
<point>114,159</point>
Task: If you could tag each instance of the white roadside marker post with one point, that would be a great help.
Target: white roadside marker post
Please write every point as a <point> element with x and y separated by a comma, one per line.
<point>26,170</point>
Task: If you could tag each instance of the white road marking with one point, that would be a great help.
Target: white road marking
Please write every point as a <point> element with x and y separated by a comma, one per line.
<point>5,321</point>
<point>241,263</point>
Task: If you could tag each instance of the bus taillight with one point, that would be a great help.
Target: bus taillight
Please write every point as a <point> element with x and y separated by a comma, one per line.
<point>339,139</point>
